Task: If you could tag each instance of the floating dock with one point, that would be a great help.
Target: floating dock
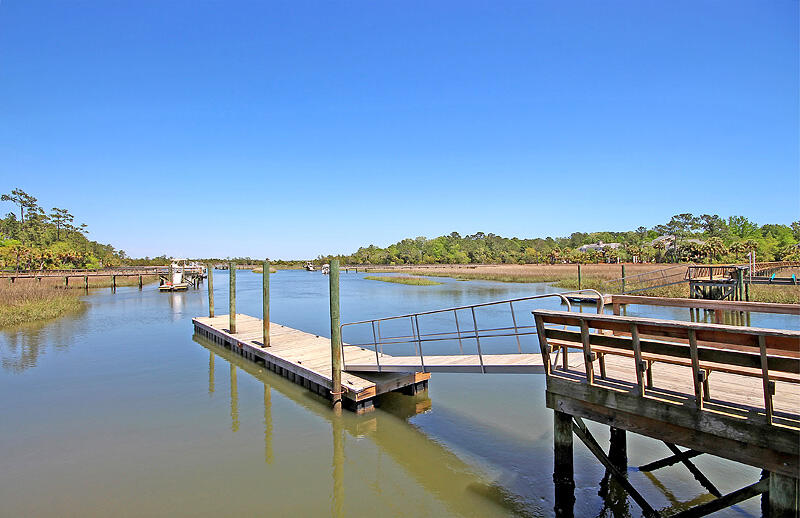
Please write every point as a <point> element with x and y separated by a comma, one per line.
<point>305,359</point>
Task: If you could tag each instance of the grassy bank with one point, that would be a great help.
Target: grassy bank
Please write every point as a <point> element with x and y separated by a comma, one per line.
<point>261,270</point>
<point>592,276</point>
<point>30,302</point>
<point>400,279</point>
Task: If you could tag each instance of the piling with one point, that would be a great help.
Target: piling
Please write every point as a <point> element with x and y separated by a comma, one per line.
<point>623,278</point>
<point>579,276</point>
<point>210,290</point>
<point>783,496</point>
<point>336,338</point>
<point>66,281</point>
<point>563,475</point>
<point>232,297</point>
<point>265,318</point>
<point>140,283</point>
<point>86,282</point>
<point>113,283</point>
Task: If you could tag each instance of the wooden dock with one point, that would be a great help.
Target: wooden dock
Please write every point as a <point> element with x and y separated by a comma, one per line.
<point>306,359</point>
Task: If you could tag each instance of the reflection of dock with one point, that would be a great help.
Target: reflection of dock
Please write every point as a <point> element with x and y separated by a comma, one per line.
<point>305,359</point>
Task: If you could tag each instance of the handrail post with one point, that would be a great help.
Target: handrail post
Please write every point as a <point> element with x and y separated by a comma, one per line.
<point>478,340</point>
<point>516,331</point>
<point>231,297</point>
<point>419,342</point>
<point>336,338</point>
<point>458,331</point>
<point>375,343</point>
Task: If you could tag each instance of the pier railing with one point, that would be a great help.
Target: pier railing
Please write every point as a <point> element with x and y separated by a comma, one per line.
<point>477,330</point>
<point>648,280</point>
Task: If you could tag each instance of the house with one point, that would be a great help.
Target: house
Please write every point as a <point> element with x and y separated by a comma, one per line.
<point>600,246</point>
<point>669,242</point>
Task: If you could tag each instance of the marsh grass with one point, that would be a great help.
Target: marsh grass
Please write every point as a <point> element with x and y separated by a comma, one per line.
<point>400,279</point>
<point>261,270</point>
<point>29,302</point>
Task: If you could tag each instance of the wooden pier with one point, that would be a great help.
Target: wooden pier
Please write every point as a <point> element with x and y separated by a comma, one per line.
<point>305,359</point>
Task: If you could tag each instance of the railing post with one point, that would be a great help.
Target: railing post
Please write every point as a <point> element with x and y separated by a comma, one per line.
<point>210,290</point>
<point>516,331</point>
<point>623,278</point>
<point>458,331</point>
<point>375,343</point>
<point>477,340</point>
<point>231,297</point>
<point>336,338</point>
<point>265,317</point>
<point>419,344</point>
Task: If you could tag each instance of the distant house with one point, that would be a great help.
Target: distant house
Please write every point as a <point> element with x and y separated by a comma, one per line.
<point>600,246</point>
<point>669,241</point>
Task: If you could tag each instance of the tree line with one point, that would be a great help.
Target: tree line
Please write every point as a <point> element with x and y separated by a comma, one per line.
<point>685,237</point>
<point>33,238</point>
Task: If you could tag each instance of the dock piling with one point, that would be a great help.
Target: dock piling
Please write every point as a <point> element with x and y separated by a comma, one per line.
<point>579,276</point>
<point>336,338</point>
<point>210,290</point>
<point>783,496</point>
<point>563,475</point>
<point>623,278</point>
<point>232,298</point>
<point>265,318</point>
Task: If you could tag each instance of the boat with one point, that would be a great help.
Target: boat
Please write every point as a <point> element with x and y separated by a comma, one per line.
<point>326,269</point>
<point>175,281</point>
<point>310,267</point>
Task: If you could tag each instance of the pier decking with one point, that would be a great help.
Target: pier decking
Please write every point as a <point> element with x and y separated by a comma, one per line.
<point>306,359</point>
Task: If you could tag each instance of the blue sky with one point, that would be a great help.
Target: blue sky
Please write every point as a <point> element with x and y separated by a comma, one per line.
<point>290,129</point>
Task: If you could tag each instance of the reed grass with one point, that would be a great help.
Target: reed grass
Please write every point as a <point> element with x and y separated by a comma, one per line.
<point>261,270</point>
<point>29,302</point>
<point>401,279</point>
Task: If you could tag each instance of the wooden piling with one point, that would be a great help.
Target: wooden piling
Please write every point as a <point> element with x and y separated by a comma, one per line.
<point>113,283</point>
<point>579,276</point>
<point>265,318</point>
<point>563,475</point>
<point>618,449</point>
<point>336,338</point>
<point>783,496</point>
<point>86,282</point>
<point>623,278</point>
<point>140,282</point>
<point>232,297</point>
<point>66,281</point>
<point>210,290</point>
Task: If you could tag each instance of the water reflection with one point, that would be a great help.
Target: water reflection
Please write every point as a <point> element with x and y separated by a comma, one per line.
<point>234,400</point>
<point>267,424</point>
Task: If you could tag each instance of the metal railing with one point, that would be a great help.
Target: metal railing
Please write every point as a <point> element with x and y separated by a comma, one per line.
<point>648,280</point>
<point>459,333</point>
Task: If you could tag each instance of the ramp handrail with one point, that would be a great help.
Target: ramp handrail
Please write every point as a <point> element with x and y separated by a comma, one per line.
<point>475,333</point>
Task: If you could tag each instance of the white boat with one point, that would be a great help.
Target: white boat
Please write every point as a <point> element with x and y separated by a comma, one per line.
<point>310,267</point>
<point>326,269</point>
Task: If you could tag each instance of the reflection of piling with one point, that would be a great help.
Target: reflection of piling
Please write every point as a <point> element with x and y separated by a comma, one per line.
<point>234,401</point>
<point>211,373</point>
<point>232,298</point>
<point>338,466</point>
<point>336,338</point>
<point>210,269</point>
<point>267,424</point>
<point>562,464</point>
<point>265,318</point>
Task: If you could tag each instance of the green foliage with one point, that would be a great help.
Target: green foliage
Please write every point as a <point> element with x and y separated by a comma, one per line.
<point>37,240</point>
<point>706,238</point>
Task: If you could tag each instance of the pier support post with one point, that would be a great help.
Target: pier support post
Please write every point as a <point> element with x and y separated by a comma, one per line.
<point>85,282</point>
<point>623,278</point>
<point>232,297</point>
<point>336,338</point>
<point>140,283</point>
<point>563,475</point>
<point>113,283</point>
<point>783,496</point>
<point>66,281</point>
<point>579,276</point>
<point>618,449</point>
<point>210,269</point>
<point>265,318</point>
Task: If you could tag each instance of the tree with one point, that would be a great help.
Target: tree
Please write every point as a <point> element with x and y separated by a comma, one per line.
<point>715,248</point>
<point>713,225</point>
<point>21,198</point>
<point>60,218</point>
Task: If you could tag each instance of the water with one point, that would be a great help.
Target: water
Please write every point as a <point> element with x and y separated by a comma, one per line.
<point>118,410</point>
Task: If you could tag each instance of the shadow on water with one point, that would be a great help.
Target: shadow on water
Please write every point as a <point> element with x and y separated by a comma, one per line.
<point>427,461</point>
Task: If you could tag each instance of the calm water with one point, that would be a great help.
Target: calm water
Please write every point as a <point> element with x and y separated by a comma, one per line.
<point>119,411</point>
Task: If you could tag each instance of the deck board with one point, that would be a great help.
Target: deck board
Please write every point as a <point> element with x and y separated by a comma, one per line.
<point>306,355</point>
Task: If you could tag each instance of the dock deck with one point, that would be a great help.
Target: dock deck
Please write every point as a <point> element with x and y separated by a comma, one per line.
<point>306,359</point>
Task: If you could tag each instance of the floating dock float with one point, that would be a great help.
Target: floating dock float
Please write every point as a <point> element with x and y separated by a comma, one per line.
<point>305,359</point>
